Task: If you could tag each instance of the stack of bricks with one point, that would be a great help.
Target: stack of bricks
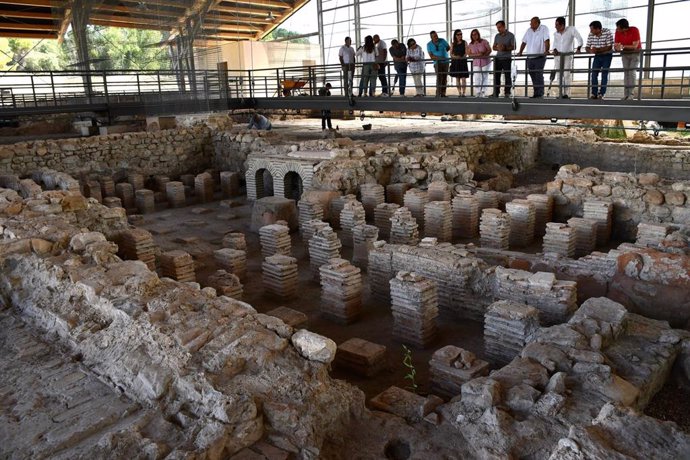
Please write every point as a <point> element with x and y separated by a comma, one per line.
<point>395,193</point>
<point>226,284</point>
<point>137,181</point>
<point>585,235</point>
<point>161,182</point>
<point>352,215</point>
<point>556,300</point>
<point>438,220</point>
<point>292,318</point>
<point>651,235</point>
<point>174,192</point>
<point>601,212</point>
<point>145,201</point>
<point>92,189</point>
<point>137,244</point>
<point>234,240</point>
<point>280,275</point>
<point>404,228</point>
<point>560,239</point>
<point>364,237</point>
<point>308,211</point>
<point>125,193</point>
<point>275,239</point>
<point>487,200</point>
<point>232,260</point>
<point>415,201</point>
<point>323,246</point>
<point>372,196</point>
<point>379,268</point>
<point>494,229</point>
<point>107,186</point>
<point>112,202</point>
<point>382,218</point>
<point>178,265</point>
<point>522,213</point>
<point>508,327</point>
<point>465,216</point>
<point>543,206</point>
<point>452,366</point>
<point>310,227</point>
<point>229,184</point>
<point>415,308</point>
<point>439,191</point>
<point>360,356</point>
<point>341,291</point>
<point>203,187</point>
<point>337,205</point>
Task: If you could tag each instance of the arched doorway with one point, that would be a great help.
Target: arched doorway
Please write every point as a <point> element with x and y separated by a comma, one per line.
<point>264,183</point>
<point>292,186</point>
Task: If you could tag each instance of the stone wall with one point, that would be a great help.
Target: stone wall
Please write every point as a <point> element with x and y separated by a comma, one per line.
<point>672,162</point>
<point>636,197</point>
<point>169,152</point>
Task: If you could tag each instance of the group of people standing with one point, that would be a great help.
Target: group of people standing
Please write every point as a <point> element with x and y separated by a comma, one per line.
<point>452,59</point>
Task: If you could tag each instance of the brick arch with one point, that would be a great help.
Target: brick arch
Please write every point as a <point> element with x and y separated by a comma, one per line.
<point>255,189</point>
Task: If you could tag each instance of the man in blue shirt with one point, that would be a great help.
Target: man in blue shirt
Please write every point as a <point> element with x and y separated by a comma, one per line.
<point>258,121</point>
<point>438,51</point>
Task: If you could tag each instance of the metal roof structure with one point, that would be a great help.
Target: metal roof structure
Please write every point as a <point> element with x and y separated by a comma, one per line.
<point>213,20</point>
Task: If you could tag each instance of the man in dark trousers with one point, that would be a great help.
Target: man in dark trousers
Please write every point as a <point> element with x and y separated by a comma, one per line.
<point>325,113</point>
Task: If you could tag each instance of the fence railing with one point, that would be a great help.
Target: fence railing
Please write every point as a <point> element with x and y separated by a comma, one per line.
<point>659,74</point>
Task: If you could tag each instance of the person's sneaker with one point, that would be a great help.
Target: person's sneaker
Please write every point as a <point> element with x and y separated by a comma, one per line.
<point>594,96</point>
<point>565,96</point>
<point>601,96</point>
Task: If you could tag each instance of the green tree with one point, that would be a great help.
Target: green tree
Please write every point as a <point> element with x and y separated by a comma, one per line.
<point>281,34</point>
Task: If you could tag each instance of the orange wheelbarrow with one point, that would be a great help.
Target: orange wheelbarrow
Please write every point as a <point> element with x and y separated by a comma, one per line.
<point>292,87</point>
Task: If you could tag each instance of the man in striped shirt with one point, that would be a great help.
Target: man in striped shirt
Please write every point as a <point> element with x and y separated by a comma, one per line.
<point>600,43</point>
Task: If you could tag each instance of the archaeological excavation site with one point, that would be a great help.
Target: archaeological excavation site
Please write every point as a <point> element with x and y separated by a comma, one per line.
<point>418,291</point>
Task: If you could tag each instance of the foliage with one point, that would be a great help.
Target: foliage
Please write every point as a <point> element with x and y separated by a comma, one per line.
<point>281,34</point>
<point>411,370</point>
<point>109,48</point>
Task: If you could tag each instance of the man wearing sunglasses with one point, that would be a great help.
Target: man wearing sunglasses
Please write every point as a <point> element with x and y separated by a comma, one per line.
<point>438,51</point>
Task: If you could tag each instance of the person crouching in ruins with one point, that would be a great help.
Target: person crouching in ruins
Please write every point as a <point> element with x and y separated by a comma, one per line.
<point>325,113</point>
<point>258,121</point>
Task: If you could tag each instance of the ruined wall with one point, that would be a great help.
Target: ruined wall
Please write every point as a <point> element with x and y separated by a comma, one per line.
<point>169,152</point>
<point>636,197</point>
<point>672,162</point>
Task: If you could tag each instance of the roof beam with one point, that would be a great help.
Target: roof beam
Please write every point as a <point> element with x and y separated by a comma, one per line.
<point>21,34</point>
<point>136,12</point>
<point>265,4</point>
<point>21,26</point>
<point>181,4</point>
<point>42,3</point>
<point>126,24</point>
<point>27,15</point>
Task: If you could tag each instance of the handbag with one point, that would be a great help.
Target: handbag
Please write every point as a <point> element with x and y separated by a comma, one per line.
<point>375,66</point>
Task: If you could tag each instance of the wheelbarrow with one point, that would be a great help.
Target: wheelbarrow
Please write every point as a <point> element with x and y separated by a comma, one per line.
<point>292,87</point>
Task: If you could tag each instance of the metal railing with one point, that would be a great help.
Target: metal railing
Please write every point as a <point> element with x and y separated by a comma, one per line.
<point>661,74</point>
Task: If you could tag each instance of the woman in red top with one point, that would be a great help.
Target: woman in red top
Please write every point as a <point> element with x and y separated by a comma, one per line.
<point>627,41</point>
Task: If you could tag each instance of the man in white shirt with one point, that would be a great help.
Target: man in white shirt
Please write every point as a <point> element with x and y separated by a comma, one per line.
<point>347,62</point>
<point>563,45</point>
<point>537,42</point>
<point>382,61</point>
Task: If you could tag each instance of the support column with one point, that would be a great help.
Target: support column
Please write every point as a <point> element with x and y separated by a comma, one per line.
<point>449,20</point>
<point>648,38</point>
<point>80,15</point>
<point>506,12</point>
<point>401,28</point>
<point>319,16</point>
<point>571,13</point>
<point>358,26</point>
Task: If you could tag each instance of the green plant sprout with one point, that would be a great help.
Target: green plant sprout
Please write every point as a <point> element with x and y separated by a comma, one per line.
<point>411,371</point>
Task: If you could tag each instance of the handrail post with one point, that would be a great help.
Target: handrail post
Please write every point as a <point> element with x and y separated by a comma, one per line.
<point>52,85</point>
<point>160,88</point>
<point>105,88</point>
<point>251,84</point>
<point>280,93</point>
<point>33,90</point>
<point>663,75</point>
<point>138,88</point>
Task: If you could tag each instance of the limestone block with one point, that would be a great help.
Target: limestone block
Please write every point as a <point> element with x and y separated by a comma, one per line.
<point>314,347</point>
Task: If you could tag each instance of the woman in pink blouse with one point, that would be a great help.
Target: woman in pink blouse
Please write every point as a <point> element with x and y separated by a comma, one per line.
<point>479,50</point>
